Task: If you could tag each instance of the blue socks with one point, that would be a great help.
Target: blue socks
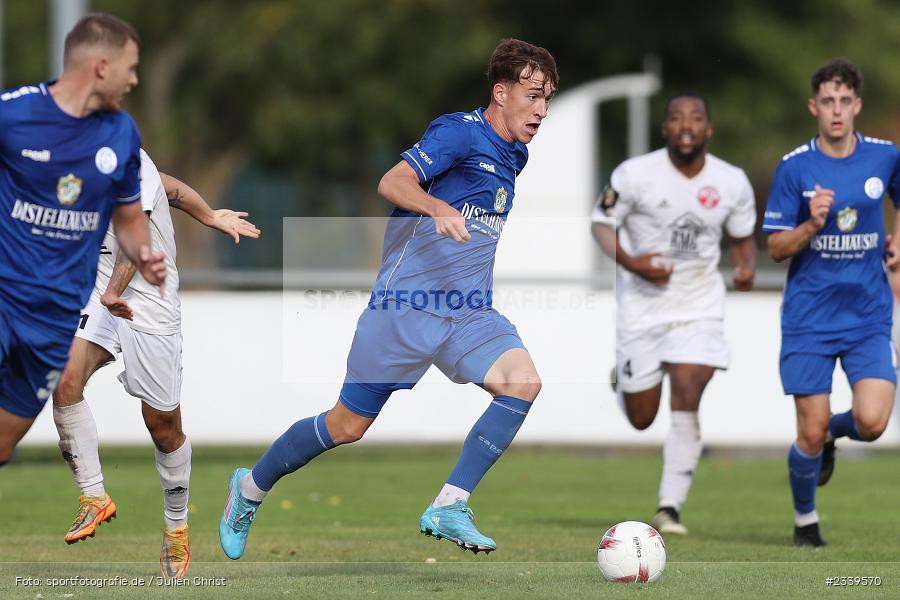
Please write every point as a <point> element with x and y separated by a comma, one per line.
<point>489,438</point>
<point>305,440</point>
<point>843,425</point>
<point>804,475</point>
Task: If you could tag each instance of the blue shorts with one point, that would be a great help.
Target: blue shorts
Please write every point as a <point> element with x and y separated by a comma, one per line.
<point>32,358</point>
<point>806,367</point>
<point>395,344</point>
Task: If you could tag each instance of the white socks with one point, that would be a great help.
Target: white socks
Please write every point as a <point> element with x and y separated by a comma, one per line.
<point>804,519</point>
<point>250,490</point>
<point>174,475</point>
<point>450,494</point>
<point>681,453</point>
<point>80,446</point>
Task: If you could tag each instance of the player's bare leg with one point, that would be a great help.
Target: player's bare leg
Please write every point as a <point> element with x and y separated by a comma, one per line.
<point>173,462</point>
<point>642,407</point>
<point>12,429</point>
<point>78,440</point>
<point>514,383</point>
<point>302,442</point>
<point>805,463</point>
<point>873,401</point>
<point>682,448</point>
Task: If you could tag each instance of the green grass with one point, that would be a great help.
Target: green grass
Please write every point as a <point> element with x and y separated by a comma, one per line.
<point>346,526</point>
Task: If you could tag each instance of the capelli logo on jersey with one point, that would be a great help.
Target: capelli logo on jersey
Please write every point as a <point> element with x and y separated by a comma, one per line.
<point>488,167</point>
<point>36,155</point>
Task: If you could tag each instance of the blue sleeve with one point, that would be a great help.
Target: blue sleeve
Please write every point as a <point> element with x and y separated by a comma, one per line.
<point>894,183</point>
<point>128,188</point>
<point>783,205</point>
<point>445,144</point>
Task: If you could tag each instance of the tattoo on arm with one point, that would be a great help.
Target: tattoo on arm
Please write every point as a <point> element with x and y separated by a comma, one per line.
<point>175,197</point>
<point>122,274</point>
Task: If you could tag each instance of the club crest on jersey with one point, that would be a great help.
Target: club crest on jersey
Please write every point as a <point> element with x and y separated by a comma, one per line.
<point>608,198</point>
<point>500,200</point>
<point>874,188</point>
<point>106,160</point>
<point>846,219</point>
<point>68,189</point>
<point>708,197</point>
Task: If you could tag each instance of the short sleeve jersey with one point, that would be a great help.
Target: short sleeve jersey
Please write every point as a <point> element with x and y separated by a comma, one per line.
<point>464,162</point>
<point>60,179</point>
<point>153,313</point>
<point>837,283</point>
<point>682,219</point>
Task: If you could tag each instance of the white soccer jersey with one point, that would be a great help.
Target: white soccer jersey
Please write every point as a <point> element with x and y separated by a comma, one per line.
<point>152,313</point>
<point>664,212</point>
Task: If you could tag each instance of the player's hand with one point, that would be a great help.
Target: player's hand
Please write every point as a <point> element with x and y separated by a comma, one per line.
<point>651,267</point>
<point>153,268</point>
<point>742,278</point>
<point>233,224</point>
<point>449,222</point>
<point>819,206</point>
<point>116,306</point>
<point>892,252</point>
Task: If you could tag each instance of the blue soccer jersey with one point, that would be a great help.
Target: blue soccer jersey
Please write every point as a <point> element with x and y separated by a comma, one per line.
<point>464,162</point>
<point>837,284</point>
<point>60,179</point>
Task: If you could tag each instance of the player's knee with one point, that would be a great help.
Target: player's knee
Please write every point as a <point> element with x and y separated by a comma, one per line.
<point>812,439</point>
<point>525,385</point>
<point>166,433</point>
<point>69,390</point>
<point>347,431</point>
<point>640,420</point>
<point>871,429</point>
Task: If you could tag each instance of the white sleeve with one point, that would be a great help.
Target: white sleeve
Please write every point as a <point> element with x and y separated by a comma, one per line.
<point>742,219</point>
<point>151,183</point>
<point>616,202</point>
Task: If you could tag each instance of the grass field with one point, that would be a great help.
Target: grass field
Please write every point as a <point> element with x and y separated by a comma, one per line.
<point>346,526</point>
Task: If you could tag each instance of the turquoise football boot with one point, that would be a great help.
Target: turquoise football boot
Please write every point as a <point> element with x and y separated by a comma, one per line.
<point>457,524</point>
<point>234,526</point>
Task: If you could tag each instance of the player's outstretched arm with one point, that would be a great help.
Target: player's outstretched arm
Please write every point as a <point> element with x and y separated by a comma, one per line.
<point>743,261</point>
<point>133,232</point>
<point>185,198</point>
<point>400,186</point>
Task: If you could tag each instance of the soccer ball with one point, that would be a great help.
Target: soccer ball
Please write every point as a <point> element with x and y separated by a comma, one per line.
<point>631,552</point>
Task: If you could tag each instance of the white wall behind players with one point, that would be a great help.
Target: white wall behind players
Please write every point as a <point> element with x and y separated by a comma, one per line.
<point>256,362</point>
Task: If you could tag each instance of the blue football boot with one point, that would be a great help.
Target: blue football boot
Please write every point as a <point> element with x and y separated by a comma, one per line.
<point>457,524</point>
<point>234,526</point>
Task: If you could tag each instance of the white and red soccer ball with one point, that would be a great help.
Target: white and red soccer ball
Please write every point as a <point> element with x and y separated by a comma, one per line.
<point>631,552</point>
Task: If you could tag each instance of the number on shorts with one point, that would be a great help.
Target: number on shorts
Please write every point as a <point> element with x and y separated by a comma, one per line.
<point>52,379</point>
<point>627,368</point>
<point>84,319</point>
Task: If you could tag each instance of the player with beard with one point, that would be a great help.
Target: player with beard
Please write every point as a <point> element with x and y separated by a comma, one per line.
<point>674,204</point>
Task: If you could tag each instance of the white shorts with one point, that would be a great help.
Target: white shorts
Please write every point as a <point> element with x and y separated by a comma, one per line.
<point>641,356</point>
<point>152,362</point>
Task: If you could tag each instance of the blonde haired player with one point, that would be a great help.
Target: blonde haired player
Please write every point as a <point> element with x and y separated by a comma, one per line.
<point>674,204</point>
<point>127,315</point>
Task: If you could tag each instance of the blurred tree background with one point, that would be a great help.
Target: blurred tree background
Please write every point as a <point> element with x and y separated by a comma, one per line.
<point>296,107</point>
